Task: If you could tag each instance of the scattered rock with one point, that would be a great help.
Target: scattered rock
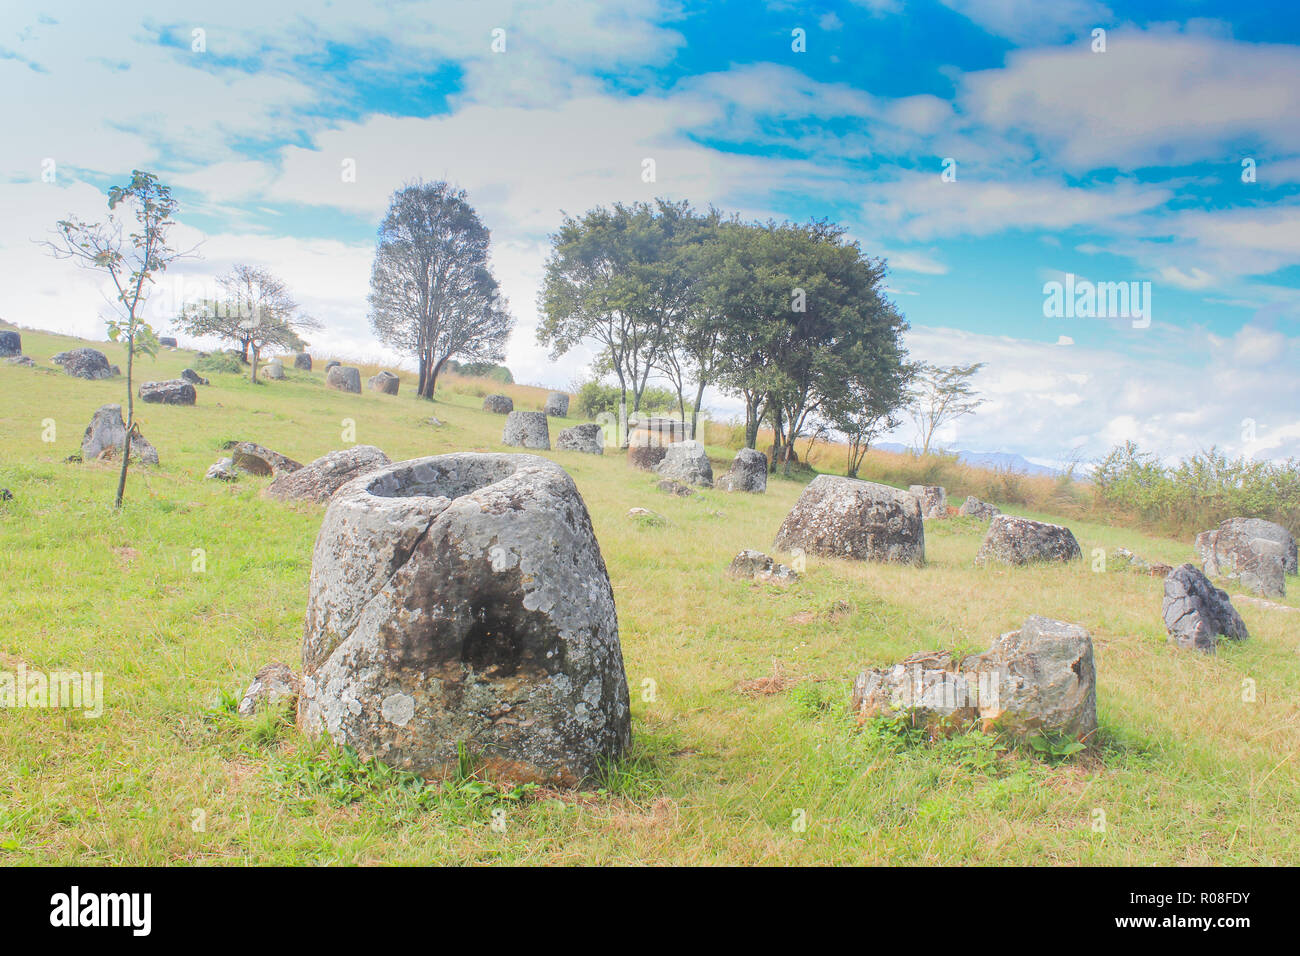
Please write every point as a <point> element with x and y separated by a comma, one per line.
<point>527,430</point>
<point>107,432</point>
<point>345,378</point>
<point>193,377</point>
<point>557,404</point>
<point>89,364</point>
<point>11,343</point>
<point>223,470</point>
<point>273,371</point>
<point>272,684</point>
<point>302,362</point>
<point>1038,679</point>
<point>848,518</point>
<point>1014,540</point>
<point>21,360</point>
<point>670,487</point>
<point>1196,612</point>
<point>760,567</point>
<point>384,382</point>
<point>972,507</point>
<point>687,461</point>
<point>588,439</point>
<point>463,600</point>
<point>933,498</point>
<point>332,363</point>
<point>748,473</point>
<point>646,517</point>
<point>256,460</point>
<point>1256,552</point>
<point>167,341</point>
<point>175,391</point>
<point>319,479</point>
<point>499,404</point>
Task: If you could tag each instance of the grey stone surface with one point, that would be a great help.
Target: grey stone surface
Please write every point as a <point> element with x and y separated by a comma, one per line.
<point>223,470</point>
<point>106,433</point>
<point>273,371</point>
<point>302,362</point>
<point>258,460</point>
<point>748,472</point>
<point>686,461</point>
<point>1196,613</point>
<point>345,378</point>
<point>319,479</point>
<point>557,404</point>
<point>1014,540</point>
<point>332,363</point>
<point>193,377</point>
<point>646,457</point>
<point>848,518</point>
<point>20,360</point>
<point>761,567</point>
<point>527,430</point>
<point>167,341</point>
<point>1041,678</point>
<point>588,439</point>
<point>675,488</point>
<point>933,498</point>
<point>11,343</point>
<point>174,391</point>
<point>1256,552</point>
<point>384,382</point>
<point>89,364</point>
<point>972,507</point>
<point>464,599</point>
<point>273,684</point>
<point>499,404</point>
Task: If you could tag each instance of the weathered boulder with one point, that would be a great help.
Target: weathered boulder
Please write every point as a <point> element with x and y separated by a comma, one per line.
<point>557,404</point>
<point>675,488</point>
<point>761,567</point>
<point>656,431</point>
<point>11,343</point>
<point>1196,612</point>
<point>848,518</point>
<point>319,479</point>
<point>1259,553</point>
<point>748,472</point>
<point>167,341</point>
<point>588,439</point>
<point>463,600</point>
<point>499,404</point>
<point>345,378</point>
<point>527,430</point>
<point>271,685</point>
<point>933,498</point>
<point>332,363</point>
<point>89,364</point>
<point>20,360</point>
<point>1038,679</point>
<point>302,362</point>
<point>273,371</point>
<point>646,457</point>
<point>106,433</point>
<point>686,461</point>
<point>174,391</point>
<point>972,507</point>
<point>222,470</point>
<point>1014,540</point>
<point>193,377</point>
<point>257,460</point>
<point>384,382</point>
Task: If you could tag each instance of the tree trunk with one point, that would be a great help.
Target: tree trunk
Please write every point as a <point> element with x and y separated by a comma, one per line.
<point>130,417</point>
<point>433,376</point>
<point>695,412</point>
<point>257,352</point>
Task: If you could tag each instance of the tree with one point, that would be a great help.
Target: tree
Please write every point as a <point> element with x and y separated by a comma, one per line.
<point>432,294</point>
<point>255,310</point>
<point>620,278</point>
<point>869,407</point>
<point>132,261</point>
<point>941,394</point>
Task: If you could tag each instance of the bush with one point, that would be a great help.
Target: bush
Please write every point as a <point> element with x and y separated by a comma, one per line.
<point>220,362</point>
<point>489,370</point>
<point>596,398</point>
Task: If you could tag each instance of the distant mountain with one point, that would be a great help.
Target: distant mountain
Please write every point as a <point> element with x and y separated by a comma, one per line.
<point>984,459</point>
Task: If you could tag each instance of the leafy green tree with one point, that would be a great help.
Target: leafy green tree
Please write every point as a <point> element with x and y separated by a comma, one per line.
<point>132,260</point>
<point>432,293</point>
<point>941,394</point>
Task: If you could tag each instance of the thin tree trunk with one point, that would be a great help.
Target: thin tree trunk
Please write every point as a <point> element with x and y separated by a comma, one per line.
<point>130,417</point>
<point>256,355</point>
<point>695,412</point>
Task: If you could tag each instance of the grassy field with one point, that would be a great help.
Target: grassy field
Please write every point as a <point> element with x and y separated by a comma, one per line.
<point>1184,770</point>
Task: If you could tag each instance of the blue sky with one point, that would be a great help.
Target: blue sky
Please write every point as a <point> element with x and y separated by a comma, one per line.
<point>1122,165</point>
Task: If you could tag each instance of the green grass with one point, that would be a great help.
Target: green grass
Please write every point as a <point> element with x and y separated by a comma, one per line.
<point>1183,770</point>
